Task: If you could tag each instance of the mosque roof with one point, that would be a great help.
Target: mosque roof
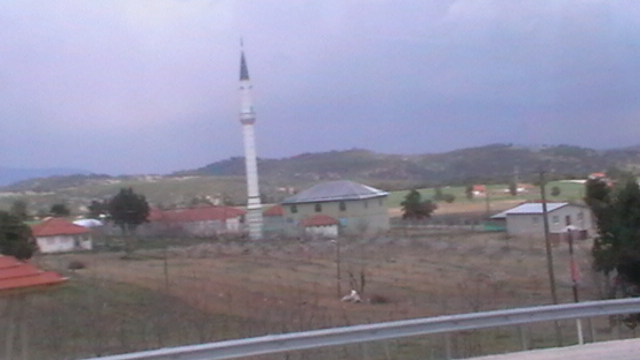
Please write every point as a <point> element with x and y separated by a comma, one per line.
<point>335,191</point>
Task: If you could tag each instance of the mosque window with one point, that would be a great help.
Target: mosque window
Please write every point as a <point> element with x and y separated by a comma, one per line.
<point>318,207</point>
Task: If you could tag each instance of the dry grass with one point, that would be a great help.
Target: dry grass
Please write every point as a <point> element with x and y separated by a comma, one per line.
<point>428,274</point>
<point>246,289</point>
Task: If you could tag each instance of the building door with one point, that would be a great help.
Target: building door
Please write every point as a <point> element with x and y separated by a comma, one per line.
<point>567,220</point>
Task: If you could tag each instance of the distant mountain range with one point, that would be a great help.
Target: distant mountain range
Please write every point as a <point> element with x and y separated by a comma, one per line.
<point>10,175</point>
<point>497,163</point>
<point>490,163</point>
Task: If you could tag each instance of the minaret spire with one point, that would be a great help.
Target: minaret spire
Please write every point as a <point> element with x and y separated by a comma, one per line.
<point>247,119</point>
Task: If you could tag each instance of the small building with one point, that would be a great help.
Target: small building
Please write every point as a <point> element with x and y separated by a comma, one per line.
<point>19,276</point>
<point>203,221</point>
<point>526,219</point>
<point>479,190</point>
<point>320,226</point>
<point>55,235</point>
<point>359,209</point>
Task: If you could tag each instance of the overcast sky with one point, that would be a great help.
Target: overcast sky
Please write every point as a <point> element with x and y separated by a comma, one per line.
<point>151,86</point>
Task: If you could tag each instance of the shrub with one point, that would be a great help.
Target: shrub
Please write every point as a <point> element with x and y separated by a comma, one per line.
<point>76,265</point>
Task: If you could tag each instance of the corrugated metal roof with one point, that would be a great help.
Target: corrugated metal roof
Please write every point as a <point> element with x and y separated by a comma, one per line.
<point>335,191</point>
<point>529,209</point>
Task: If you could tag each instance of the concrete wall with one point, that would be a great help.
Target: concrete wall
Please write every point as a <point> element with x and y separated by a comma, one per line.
<point>328,231</point>
<point>357,217</point>
<point>533,225</point>
<point>64,243</point>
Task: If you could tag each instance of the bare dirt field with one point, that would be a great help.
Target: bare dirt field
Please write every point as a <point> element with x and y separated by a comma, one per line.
<point>243,289</point>
<point>295,284</point>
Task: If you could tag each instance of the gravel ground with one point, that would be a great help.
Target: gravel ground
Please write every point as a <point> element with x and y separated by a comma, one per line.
<point>618,350</point>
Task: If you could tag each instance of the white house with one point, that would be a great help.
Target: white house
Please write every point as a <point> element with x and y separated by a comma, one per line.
<point>59,235</point>
<point>527,219</point>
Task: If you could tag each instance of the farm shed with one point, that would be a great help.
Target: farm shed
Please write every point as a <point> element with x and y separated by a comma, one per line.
<point>527,219</point>
<point>55,235</point>
<point>359,209</point>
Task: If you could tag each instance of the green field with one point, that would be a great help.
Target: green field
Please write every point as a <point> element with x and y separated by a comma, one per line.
<point>569,191</point>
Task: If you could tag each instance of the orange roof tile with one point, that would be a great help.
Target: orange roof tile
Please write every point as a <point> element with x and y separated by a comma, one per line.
<point>57,226</point>
<point>319,220</point>
<point>276,210</point>
<point>17,275</point>
<point>196,214</point>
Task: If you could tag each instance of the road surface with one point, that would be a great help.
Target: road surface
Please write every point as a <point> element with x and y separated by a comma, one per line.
<point>609,350</point>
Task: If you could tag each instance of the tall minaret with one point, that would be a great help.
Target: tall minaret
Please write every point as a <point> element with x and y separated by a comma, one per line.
<point>248,118</point>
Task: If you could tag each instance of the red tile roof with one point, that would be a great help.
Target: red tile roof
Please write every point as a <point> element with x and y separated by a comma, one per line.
<point>319,220</point>
<point>196,214</point>
<point>57,226</point>
<point>17,275</point>
<point>276,210</point>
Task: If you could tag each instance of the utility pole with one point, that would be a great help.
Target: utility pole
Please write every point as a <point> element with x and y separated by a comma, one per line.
<point>574,280</point>
<point>547,243</point>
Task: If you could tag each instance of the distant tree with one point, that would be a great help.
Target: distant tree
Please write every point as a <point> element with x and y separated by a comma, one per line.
<point>19,209</point>
<point>15,237</point>
<point>513,188</point>
<point>555,191</point>
<point>128,210</point>
<point>448,198</point>
<point>59,210</point>
<point>413,207</point>
<point>98,209</point>
<point>468,191</point>
<point>437,196</point>
<point>617,244</point>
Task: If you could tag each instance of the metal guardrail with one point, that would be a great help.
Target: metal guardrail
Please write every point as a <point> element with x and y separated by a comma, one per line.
<point>271,344</point>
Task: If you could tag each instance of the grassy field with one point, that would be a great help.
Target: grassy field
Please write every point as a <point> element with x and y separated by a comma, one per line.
<point>218,290</point>
<point>569,191</point>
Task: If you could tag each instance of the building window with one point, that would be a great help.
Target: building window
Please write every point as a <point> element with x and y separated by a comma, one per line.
<point>343,206</point>
<point>318,207</point>
<point>366,204</point>
<point>294,209</point>
<point>555,219</point>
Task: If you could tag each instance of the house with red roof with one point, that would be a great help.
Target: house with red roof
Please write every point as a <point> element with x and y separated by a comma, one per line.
<point>202,221</point>
<point>55,235</point>
<point>320,225</point>
<point>18,276</point>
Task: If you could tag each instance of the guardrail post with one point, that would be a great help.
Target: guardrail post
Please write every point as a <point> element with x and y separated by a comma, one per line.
<point>579,328</point>
<point>592,330</point>
<point>447,346</point>
<point>523,338</point>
